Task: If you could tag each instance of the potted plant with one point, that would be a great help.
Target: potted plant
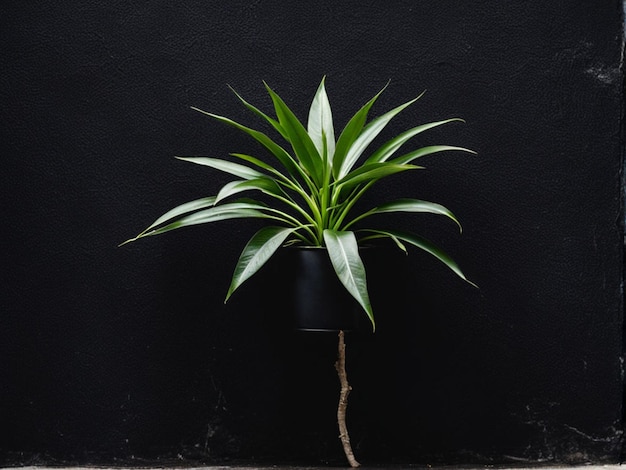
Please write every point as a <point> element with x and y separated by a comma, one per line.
<point>312,187</point>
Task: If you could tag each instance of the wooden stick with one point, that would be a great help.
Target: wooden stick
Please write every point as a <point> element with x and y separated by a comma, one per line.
<point>340,366</point>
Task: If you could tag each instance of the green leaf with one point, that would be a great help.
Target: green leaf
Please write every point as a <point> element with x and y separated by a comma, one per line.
<point>298,137</point>
<point>256,253</point>
<point>392,146</point>
<point>351,132</point>
<point>187,207</point>
<point>260,163</point>
<point>233,210</point>
<point>177,211</point>
<point>372,172</point>
<point>375,236</point>
<point>236,169</point>
<point>343,251</point>
<point>414,205</point>
<point>280,153</point>
<point>367,135</point>
<point>320,125</point>
<point>289,179</point>
<point>266,185</point>
<point>427,246</point>
<point>422,152</point>
<point>273,122</point>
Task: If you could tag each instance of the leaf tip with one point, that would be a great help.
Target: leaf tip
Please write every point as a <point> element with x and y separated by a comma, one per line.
<point>127,242</point>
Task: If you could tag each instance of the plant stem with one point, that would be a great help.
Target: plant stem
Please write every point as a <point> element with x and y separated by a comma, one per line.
<point>340,366</point>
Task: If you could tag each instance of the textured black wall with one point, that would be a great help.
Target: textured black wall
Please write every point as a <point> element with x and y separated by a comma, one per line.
<point>113,354</point>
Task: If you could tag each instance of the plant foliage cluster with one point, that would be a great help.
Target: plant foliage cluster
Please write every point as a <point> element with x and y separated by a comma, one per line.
<point>312,185</point>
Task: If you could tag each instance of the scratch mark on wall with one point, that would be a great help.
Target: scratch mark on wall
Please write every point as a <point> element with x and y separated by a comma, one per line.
<point>604,75</point>
<point>592,438</point>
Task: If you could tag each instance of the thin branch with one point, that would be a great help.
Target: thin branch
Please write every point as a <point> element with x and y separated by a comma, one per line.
<point>340,366</point>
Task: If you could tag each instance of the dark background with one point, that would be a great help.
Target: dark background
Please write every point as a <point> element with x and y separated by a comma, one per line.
<point>128,354</point>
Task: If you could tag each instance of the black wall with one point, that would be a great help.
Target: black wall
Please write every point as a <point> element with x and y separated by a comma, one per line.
<point>127,354</point>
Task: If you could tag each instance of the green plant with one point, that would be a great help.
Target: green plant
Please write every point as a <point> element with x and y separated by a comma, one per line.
<point>315,184</point>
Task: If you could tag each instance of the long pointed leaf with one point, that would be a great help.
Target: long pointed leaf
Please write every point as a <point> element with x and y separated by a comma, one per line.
<point>177,211</point>
<point>299,139</point>
<point>236,169</point>
<point>369,133</point>
<point>256,253</point>
<point>260,163</point>
<point>237,209</point>
<point>351,132</point>
<point>372,172</point>
<point>422,152</point>
<point>427,246</point>
<point>265,185</point>
<point>389,148</point>
<point>206,216</point>
<point>273,122</point>
<point>280,153</point>
<point>343,251</point>
<point>320,124</point>
<point>414,205</point>
<point>290,181</point>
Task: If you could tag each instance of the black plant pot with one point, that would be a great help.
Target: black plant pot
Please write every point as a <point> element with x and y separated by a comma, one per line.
<point>318,301</point>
